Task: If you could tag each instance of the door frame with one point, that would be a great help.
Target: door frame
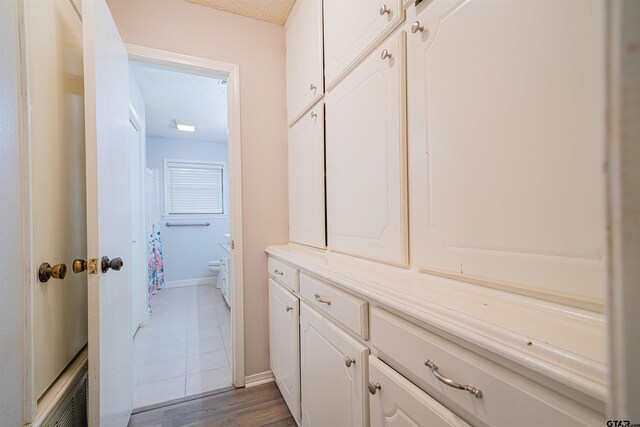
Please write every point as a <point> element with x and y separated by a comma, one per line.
<point>230,71</point>
<point>139,124</point>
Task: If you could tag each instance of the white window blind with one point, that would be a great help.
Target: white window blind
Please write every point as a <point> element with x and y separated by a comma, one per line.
<point>193,187</point>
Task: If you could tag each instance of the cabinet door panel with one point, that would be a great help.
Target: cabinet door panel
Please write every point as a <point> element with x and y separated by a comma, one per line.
<point>306,179</point>
<point>305,82</point>
<point>352,29</point>
<point>506,145</point>
<point>366,173</point>
<point>400,403</point>
<point>284,344</point>
<point>332,393</point>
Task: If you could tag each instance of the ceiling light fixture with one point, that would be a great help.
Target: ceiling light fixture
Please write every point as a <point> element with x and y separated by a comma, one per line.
<point>185,127</point>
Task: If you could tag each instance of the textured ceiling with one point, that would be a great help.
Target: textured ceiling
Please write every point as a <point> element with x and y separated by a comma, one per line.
<point>275,11</point>
<point>192,99</point>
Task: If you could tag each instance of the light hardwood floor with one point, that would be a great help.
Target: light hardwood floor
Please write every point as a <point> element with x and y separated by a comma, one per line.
<point>257,406</point>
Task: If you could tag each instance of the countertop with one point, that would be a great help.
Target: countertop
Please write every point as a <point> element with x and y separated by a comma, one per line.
<point>543,340</point>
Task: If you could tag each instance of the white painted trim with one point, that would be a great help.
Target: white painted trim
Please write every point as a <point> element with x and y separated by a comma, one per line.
<point>189,282</point>
<point>259,379</point>
<point>623,199</point>
<point>140,125</point>
<point>231,72</point>
<point>28,268</point>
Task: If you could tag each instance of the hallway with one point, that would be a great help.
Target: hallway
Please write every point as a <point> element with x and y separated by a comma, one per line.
<point>186,347</point>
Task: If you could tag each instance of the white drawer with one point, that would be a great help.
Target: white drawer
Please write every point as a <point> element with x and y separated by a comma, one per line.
<point>284,274</point>
<point>398,399</point>
<point>341,306</point>
<point>507,398</point>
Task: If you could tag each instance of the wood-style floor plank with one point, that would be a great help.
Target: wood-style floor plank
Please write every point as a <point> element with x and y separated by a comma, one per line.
<point>257,406</point>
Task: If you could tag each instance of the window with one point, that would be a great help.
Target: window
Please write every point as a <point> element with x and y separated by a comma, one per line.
<point>193,187</point>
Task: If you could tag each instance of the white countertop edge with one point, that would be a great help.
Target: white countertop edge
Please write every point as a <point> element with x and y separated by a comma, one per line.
<point>540,360</point>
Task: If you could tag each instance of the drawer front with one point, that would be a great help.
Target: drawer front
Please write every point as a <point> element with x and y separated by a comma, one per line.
<point>284,274</point>
<point>506,397</point>
<point>399,400</point>
<point>341,306</point>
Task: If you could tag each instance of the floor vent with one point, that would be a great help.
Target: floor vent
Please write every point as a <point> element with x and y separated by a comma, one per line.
<point>73,410</point>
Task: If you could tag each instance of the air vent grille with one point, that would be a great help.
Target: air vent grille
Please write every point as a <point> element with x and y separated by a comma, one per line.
<point>72,412</point>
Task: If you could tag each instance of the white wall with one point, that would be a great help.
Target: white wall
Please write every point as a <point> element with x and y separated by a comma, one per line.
<point>187,250</point>
<point>259,48</point>
<point>12,283</point>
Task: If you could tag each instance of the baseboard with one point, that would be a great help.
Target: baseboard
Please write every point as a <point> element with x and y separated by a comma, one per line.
<point>258,379</point>
<point>189,282</point>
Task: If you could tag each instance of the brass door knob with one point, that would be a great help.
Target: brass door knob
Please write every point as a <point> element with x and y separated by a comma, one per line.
<point>79,265</point>
<point>46,271</point>
<point>114,264</point>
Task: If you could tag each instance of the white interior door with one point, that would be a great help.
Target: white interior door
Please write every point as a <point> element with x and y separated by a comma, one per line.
<point>108,217</point>
<point>53,34</point>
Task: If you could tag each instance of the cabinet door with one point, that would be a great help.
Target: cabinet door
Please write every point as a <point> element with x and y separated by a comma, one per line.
<point>506,142</point>
<point>398,402</point>
<point>352,29</point>
<point>332,392</point>
<point>306,179</point>
<point>366,158</point>
<point>305,83</point>
<point>284,344</point>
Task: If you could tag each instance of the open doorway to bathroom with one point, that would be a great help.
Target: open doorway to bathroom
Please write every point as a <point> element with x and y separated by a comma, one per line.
<point>180,184</point>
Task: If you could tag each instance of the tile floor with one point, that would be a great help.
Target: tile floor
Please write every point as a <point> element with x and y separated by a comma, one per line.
<point>186,347</point>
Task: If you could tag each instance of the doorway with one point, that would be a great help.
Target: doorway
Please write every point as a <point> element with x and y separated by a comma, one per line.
<point>184,309</point>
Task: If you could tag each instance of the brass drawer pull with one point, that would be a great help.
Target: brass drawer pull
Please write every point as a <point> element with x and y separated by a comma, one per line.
<point>322,300</point>
<point>434,370</point>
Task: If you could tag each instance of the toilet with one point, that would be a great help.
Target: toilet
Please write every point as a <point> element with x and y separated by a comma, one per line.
<point>215,266</point>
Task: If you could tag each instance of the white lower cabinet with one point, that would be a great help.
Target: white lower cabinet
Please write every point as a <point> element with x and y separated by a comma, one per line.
<point>333,370</point>
<point>397,402</point>
<point>284,344</point>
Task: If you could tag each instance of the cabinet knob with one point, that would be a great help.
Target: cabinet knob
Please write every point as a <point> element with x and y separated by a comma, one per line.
<point>278,272</point>
<point>114,264</point>
<point>313,114</point>
<point>312,87</point>
<point>348,361</point>
<point>46,271</point>
<point>415,27</point>
<point>79,265</point>
<point>385,54</point>
<point>384,10</point>
<point>289,308</point>
<point>374,387</point>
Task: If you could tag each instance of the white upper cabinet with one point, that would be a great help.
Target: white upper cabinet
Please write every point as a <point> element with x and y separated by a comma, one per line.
<point>352,29</point>
<point>506,139</point>
<point>366,157</point>
<point>306,179</point>
<point>305,84</point>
